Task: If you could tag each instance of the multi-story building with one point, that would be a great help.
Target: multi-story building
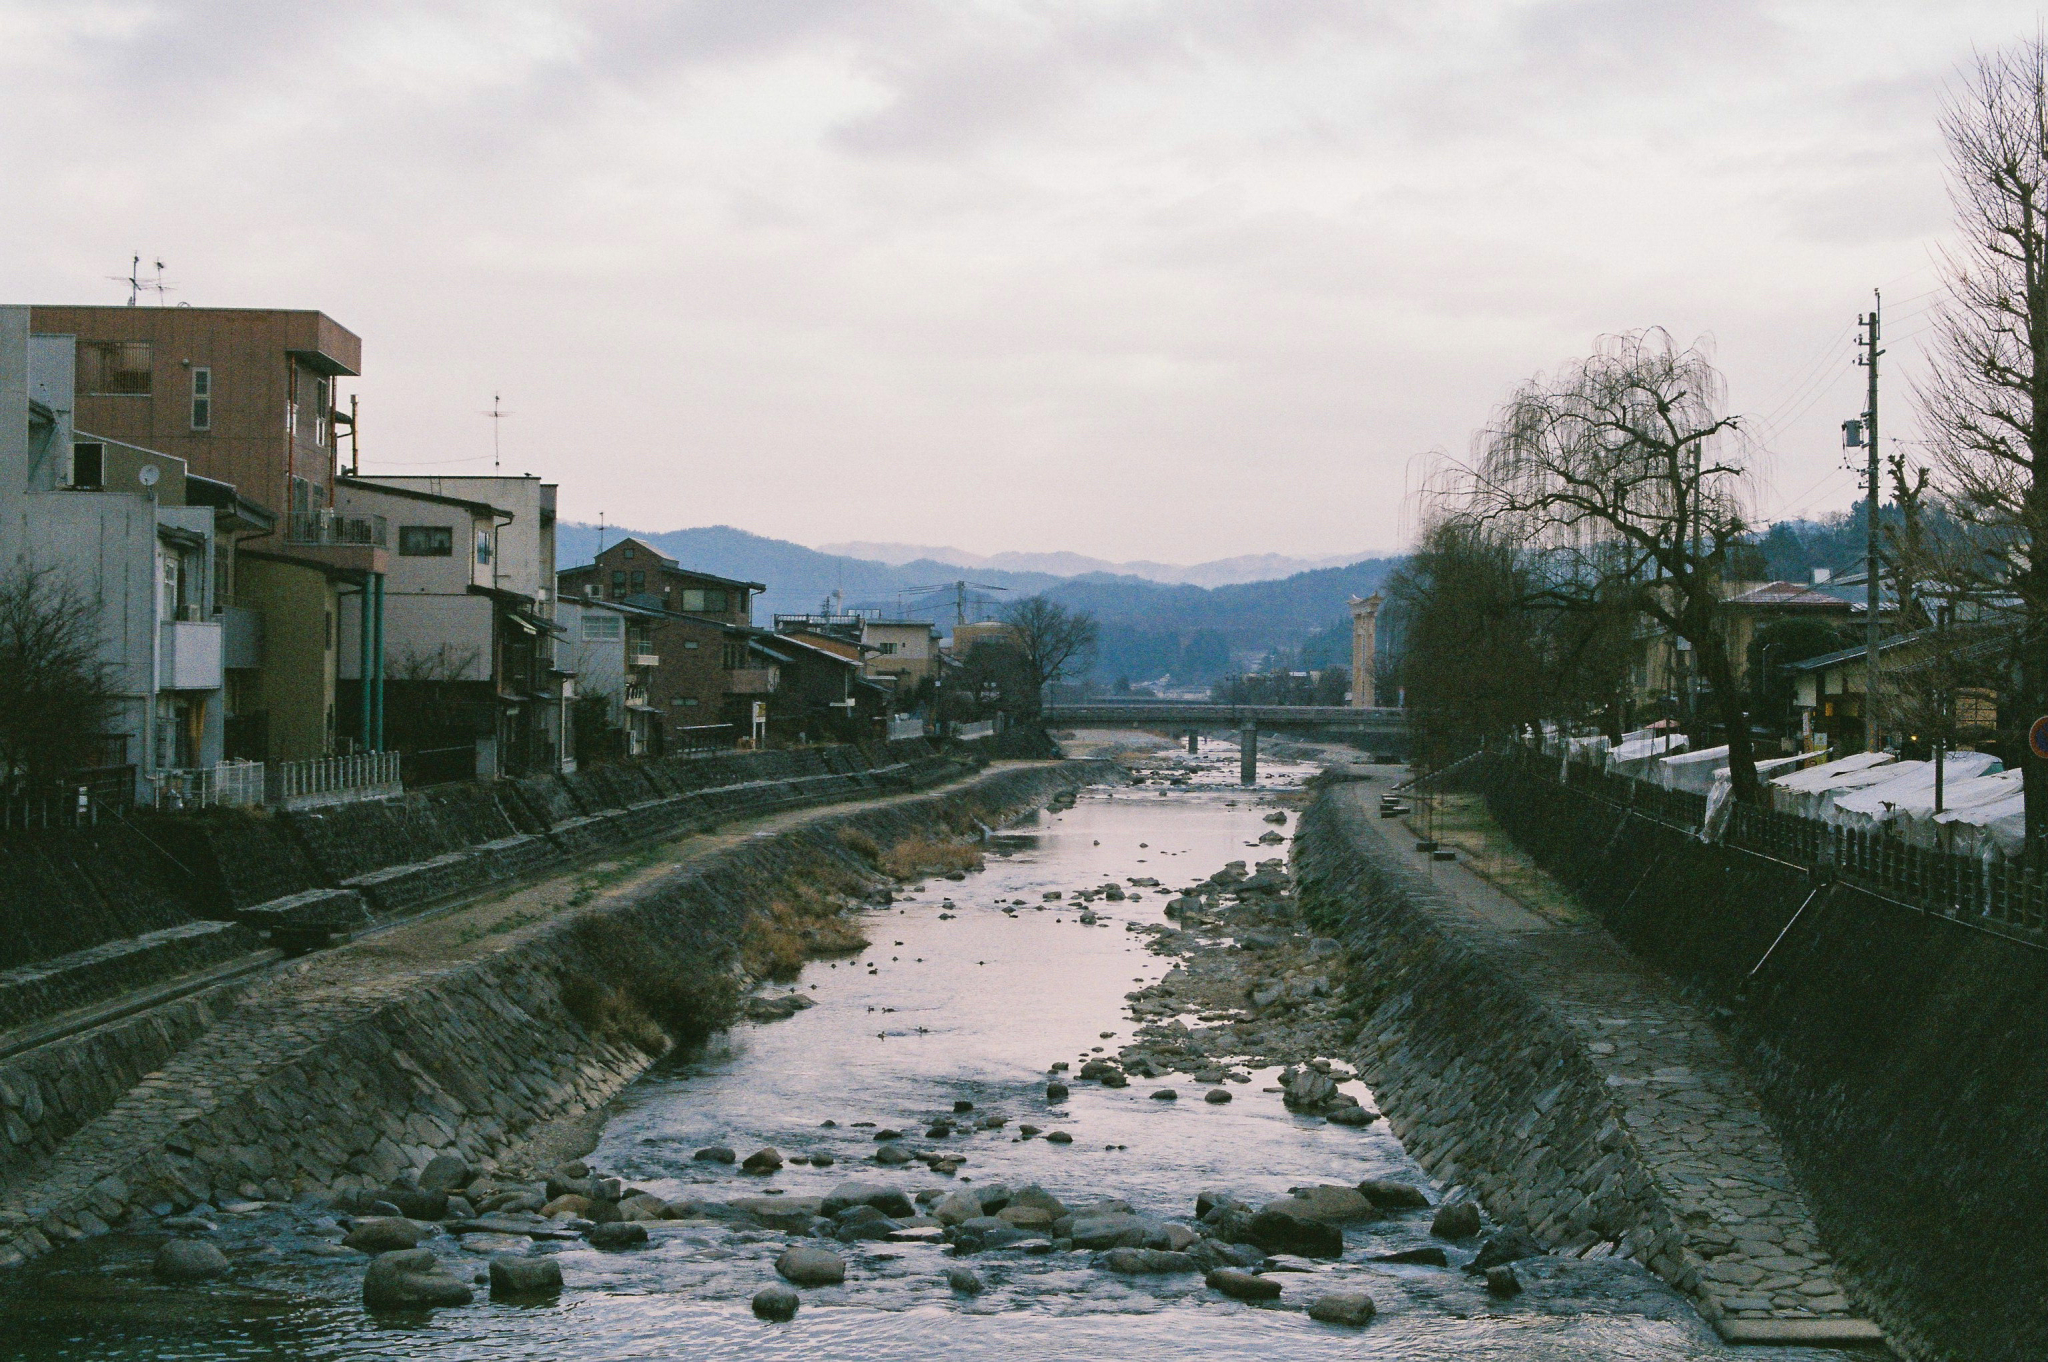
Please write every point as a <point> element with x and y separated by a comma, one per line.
<point>138,539</point>
<point>465,654</point>
<point>905,652</point>
<point>246,397</point>
<point>634,571</point>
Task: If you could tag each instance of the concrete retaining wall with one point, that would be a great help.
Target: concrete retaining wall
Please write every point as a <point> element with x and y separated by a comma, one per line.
<point>349,1068</point>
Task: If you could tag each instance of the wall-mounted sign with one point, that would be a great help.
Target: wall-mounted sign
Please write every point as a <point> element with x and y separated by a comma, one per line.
<point>2037,738</point>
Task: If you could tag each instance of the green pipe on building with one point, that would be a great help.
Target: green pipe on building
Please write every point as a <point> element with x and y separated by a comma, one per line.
<point>377,675</point>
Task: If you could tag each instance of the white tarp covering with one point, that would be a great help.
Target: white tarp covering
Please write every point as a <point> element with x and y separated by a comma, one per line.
<point>1718,793</point>
<point>1634,757</point>
<point>1692,771</point>
<point>1807,792</point>
<point>1986,828</point>
<point>1912,787</point>
<point>1592,750</point>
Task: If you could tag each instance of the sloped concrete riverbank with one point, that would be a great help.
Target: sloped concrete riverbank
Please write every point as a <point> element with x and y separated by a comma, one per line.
<point>355,1065</point>
<point>1568,1085</point>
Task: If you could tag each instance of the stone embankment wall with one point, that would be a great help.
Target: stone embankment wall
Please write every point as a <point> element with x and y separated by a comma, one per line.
<point>91,915</point>
<point>352,1066</point>
<point>1482,1085</point>
<point>1900,1057</point>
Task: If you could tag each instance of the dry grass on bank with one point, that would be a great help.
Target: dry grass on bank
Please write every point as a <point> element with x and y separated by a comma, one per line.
<point>918,856</point>
<point>1463,823</point>
<point>799,924</point>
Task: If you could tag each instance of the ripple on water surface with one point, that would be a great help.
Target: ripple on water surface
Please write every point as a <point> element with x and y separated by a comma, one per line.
<point>973,1006</point>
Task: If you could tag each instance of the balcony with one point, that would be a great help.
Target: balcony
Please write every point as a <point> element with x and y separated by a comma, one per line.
<point>188,656</point>
<point>751,681</point>
<point>331,528</point>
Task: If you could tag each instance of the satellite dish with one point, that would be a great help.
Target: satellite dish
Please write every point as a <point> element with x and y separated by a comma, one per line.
<point>148,475</point>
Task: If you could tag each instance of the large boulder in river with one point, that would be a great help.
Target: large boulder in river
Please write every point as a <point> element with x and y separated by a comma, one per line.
<point>955,1207</point>
<point>806,1265</point>
<point>384,1234</point>
<point>1335,1204</point>
<point>445,1173</point>
<point>1291,1225</point>
<point>514,1274</point>
<point>1393,1196</point>
<point>1455,1220</point>
<point>1510,1245</point>
<point>411,1279</point>
<point>189,1260</point>
<point>1108,1231</point>
<point>888,1200</point>
<point>1140,1261</point>
<point>1245,1286</point>
<point>776,1303</point>
<point>1034,1197</point>
<point>1343,1307</point>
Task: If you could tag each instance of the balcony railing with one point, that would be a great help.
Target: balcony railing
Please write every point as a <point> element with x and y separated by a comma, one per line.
<point>334,780</point>
<point>227,784</point>
<point>333,528</point>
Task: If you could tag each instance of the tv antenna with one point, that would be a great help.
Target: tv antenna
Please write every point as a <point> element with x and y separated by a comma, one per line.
<point>137,285</point>
<point>959,590</point>
<point>497,415</point>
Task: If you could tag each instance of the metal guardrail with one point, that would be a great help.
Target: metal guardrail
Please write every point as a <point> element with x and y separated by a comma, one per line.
<point>981,728</point>
<point>334,780</point>
<point>227,784</point>
<point>2007,898</point>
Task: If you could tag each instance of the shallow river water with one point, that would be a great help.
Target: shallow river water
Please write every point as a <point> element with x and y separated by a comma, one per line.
<point>953,1001</point>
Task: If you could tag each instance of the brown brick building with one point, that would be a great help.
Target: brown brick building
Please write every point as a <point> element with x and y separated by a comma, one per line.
<point>637,573</point>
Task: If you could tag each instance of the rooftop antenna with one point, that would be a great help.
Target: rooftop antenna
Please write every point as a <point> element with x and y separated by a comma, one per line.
<point>137,284</point>
<point>497,415</point>
<point>600,531</point>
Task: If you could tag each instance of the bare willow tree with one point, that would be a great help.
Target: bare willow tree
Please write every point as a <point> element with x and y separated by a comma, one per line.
<point>1052,639</point>
<point>1621,477</point>
<point>1985,402</point>
<point>56,698</point>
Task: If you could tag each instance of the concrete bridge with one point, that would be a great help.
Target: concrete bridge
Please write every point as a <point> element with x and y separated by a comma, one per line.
<point>1381,729</point>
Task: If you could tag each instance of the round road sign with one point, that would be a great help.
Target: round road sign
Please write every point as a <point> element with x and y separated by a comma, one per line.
<point>2037,738</point>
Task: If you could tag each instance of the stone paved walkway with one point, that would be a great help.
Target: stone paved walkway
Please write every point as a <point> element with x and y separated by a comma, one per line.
<point>1751,1251</point>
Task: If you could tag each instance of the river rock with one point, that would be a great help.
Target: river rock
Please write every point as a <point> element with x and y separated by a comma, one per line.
<point>964,1281</point>
<point>888,1200</point>
<point>1058,1137</point>
<point>1427,1257</point>
<point>863,1222</point>
<point>1245,1286</point>
<point>1276,817</point>
<point>1115,1230</point>
<point>1335,1204</point>
<point>445,1173</point>
<point>642,1206</point>
<point>792,1214</point>
<point>777,1303</point>
<point>1027,1217</point>
<point>414,1204</point>
<point>1209,1199</point>
<point>1507,1246</point>
<point>1055,1091</point>
<point>1343,1307</point>
<point>1216,1096</point>
<point>762,1161</point>
<point>1502,1281</point>
<point>716,1153</point>
<point>189,1260</point>
<point>411,1279</point>
<point>956,1207</point>
<point>806,1265</point>
<point>986,1232</point>
<point>1165,1095</point>
<point>1392,1196</point>
<point>517,1275</point>
<point>1455,1220</point>
<point>569,1203</point>
<point>383,1234</point>
<point>1139,1261</point>
<point>619,1234</point>
<point>1292,1226</point>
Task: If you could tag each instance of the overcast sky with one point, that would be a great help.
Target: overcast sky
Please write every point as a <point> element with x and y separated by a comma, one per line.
<point>1178,279</point>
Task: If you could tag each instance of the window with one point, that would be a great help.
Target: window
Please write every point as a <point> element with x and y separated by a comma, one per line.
<point>618,579</point>
<point>116,368</point>
<point>323,407</point>
<point>202,399</point>
<point>629,553</point>
<point>600,627</point>
<point>888,649</point>
<point>735,656</point>
<point>690,645</point>
<point>171,564</point>
<point>426,541</point>
<point>704,602</point>
<point>89,465</point>
<point>639,580</point>
<point>483,546</point>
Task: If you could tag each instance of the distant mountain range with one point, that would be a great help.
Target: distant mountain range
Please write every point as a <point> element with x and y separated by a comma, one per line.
<point>1149,628</point>
<point>1251,567</point>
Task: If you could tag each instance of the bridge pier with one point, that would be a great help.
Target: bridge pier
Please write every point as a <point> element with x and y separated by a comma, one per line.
<point>1194,743</point>
<point>1248,755</point>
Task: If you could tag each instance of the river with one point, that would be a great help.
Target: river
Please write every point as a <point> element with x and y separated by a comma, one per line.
<point>955,1001</point>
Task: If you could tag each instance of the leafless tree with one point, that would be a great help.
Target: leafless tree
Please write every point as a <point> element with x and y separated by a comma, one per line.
<point>1621,478</point>
<point>1985,402</point>
<point>1053,639</point>
<point>56,697</point>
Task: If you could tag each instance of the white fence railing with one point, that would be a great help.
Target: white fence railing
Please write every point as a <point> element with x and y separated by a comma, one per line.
<point>334,780</point>
<point>985,728</point>
<point>905,726</point>
<point>225,784</point>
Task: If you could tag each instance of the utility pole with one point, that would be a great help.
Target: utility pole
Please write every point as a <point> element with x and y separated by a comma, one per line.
<point>1870,675</point>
